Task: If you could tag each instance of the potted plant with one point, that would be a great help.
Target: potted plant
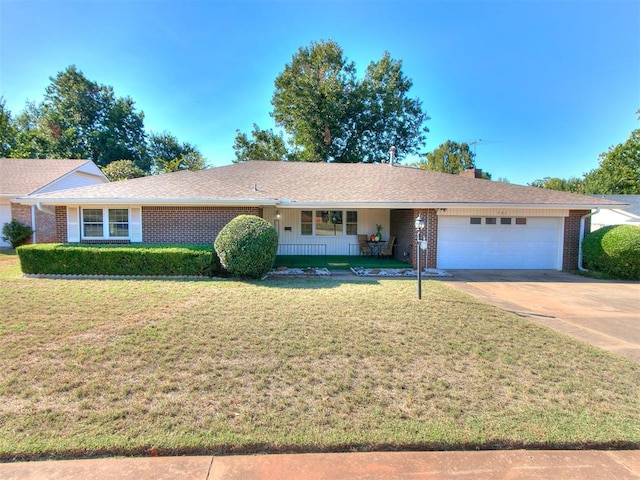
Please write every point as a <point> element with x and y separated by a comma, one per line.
<point>378,234</point>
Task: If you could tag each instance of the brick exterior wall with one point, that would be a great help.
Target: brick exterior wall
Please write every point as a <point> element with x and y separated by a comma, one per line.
<point>572,238</point>
<point>45,227</point>
<point>22,213</point>
<point>402,227</point>
<point>188,224</point>
<point>45,223</point>
<point>61,224</point>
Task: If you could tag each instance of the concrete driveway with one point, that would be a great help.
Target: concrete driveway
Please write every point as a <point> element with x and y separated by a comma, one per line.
<point>603,313</point>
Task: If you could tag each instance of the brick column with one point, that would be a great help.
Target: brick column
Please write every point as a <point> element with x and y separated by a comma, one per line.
<point>430,234</point>
<point>61,224</point>
<point>572,238</point>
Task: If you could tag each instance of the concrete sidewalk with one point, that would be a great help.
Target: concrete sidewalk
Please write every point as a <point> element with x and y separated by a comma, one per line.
<point>503,464</point>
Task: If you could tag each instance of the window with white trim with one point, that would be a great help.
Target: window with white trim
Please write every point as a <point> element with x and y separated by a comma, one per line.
<point>100,223</point>
<point>323,223</point>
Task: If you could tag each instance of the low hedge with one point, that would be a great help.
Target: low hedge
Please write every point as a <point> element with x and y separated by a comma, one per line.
<point>614,250</point>
<point>147,260</point>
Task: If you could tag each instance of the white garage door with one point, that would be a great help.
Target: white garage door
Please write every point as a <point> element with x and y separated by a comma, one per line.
<point>5,217</point>
<point>523,243</point>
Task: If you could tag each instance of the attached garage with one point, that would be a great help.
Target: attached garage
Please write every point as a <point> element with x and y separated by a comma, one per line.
<point>500,242</point>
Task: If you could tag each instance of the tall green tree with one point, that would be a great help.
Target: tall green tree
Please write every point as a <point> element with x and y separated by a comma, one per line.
<point>617,174</point>
<point>330,115</point>
<point>8,133</point>
<point>32,134</point>
<point>79,118</point>
<point>385,114</point>
<point>263,145</point>
<point>449,157</point>
<point>619,169</point>
<point>169,155</point>
<point>311,100</point>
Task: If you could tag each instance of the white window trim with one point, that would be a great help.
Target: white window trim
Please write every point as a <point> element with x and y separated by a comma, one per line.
<point>105,223</point>
<point>313,223</point>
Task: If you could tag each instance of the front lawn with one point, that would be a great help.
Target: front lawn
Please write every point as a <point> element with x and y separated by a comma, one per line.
<point>93,367</point>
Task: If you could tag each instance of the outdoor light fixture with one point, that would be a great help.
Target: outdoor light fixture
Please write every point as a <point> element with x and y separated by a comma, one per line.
<point>419,228</point>
<point>277,214</point>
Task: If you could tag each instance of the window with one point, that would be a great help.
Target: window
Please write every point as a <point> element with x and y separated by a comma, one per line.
<point>105,223</point>
<point>92,222</point>
<point>306,222</point>
<point>118,222</point>
<point>505,221</point>
<point>490,221</point>
<point>352,223</point>
<point>475,221</point>
<point>521,221</point>
<point>328,222</point>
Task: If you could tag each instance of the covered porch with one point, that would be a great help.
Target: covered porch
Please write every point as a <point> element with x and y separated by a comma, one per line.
<point>338,262</point>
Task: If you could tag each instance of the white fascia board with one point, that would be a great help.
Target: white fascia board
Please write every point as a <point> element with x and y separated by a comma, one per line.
<point>196,202</point>
<point>423,205</point>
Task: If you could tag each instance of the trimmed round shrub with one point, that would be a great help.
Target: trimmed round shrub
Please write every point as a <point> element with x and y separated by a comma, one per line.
<point>247,246</point>
<point>614,250</point>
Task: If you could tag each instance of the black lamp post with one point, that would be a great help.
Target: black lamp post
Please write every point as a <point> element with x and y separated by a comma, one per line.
<point>419,228</point>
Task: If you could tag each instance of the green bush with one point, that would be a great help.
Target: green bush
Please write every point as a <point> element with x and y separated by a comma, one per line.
<point>16,233</point>
<point>247,246</point>
<point>614,250</point>
<point>148,260</point>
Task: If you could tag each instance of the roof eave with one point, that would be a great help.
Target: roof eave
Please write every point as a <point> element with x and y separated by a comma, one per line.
<point>196,202</point>
<point>438,205</point>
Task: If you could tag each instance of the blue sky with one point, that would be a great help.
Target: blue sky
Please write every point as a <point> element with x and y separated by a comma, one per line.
<point>546,85</point>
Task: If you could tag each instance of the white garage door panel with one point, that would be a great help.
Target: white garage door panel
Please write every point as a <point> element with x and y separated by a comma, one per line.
<point>531,246</point>
<point>5,217</point>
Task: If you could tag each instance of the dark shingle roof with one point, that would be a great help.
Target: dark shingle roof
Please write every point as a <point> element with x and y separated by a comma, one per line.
<point>318,183</point>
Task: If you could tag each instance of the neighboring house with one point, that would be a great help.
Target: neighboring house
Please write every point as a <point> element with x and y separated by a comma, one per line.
<point>321,207</point>
<point>26,176</point>
<point>624,215</point>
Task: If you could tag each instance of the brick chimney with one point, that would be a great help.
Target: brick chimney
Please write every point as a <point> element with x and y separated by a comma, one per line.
<point>472,172</point>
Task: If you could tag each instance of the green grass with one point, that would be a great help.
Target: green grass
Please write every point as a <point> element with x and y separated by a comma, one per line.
<point>338,262</point>
<point>102,367</point>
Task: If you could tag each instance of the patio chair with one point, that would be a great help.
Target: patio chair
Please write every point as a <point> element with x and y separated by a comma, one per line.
<point>387,250</point>
<point>365,249</point>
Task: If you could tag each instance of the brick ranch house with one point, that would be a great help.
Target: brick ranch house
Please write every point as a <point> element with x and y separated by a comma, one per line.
<point>471,223</point>
<point>26,176</point>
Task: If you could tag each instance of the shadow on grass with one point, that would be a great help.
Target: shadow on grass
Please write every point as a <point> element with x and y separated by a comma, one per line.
<point>267,448</point>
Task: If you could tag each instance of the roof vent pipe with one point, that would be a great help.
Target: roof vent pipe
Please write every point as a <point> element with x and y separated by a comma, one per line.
<point>582,224</point>
<point>392,153</point>
<point>255,187</point>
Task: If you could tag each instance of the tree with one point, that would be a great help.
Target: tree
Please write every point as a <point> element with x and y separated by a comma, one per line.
<point>329,115</point>
<point>573,184</point>
<point>311,100</point>
<point>449,157</point>
<point>122,170</point>
<point>386,116</point>
<point>8,133</point>
<point>264,145</point>
<point>619,169</point>
<point>617,173</point>
<point>79,118</point>
<point>169,155</point>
